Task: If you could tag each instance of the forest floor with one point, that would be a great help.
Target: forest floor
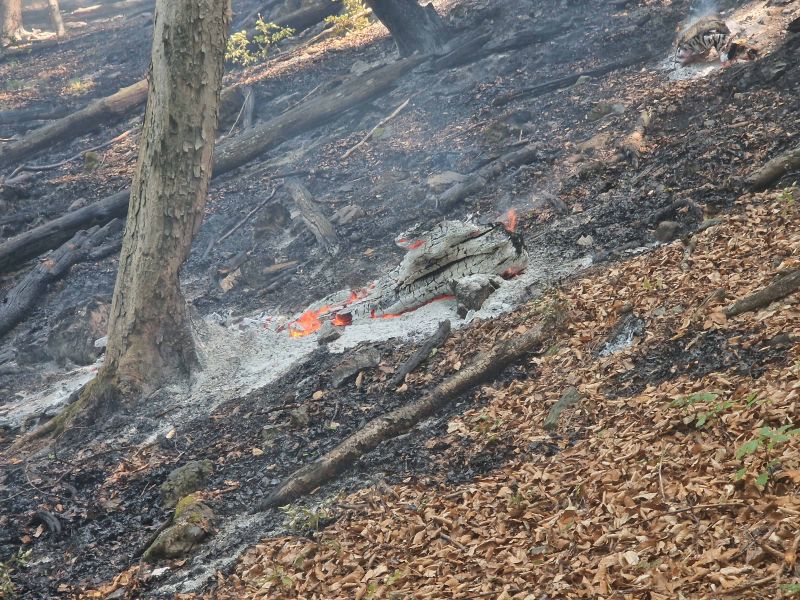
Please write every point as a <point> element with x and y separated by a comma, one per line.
<point>674,472</point>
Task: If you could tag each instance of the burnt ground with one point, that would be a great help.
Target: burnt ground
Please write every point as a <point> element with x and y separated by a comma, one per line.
<point>706,134</point>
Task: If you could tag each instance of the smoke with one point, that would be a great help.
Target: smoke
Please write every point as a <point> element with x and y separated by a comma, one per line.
<point>703,8</point>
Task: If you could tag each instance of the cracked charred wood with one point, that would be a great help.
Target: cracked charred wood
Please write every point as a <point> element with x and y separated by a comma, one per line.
<point>23,297</point>
<point>315,221</point>
<point>774,170</point>
<point>421,354</point>
<point>450,251</point>
<point>414,28</point>
<point>784,285</point>
<point>92,116</point>
<point>480,178</point>
<point>485,366</point>
<point>231,154</point>
<point>562,82</point>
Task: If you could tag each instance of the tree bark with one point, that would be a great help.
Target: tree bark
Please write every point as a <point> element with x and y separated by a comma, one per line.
<point>10,20</point>
<point>55,17</point>
<point>414,28</point>
<point>149,338</point>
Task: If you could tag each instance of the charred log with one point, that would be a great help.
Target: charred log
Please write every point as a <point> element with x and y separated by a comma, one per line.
<point>783,286</point>
<point>18,303</point>
<point>315,221</point>
<point>80,122</point>
<point>310,15</point>
<point>480,178</point>
<point>484,367</point>
<point>774,170</point>
<point>414,28</point>
<point>421,354</point>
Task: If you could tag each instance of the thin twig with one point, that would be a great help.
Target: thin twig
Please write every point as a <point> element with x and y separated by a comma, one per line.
<point>379,125</point>
<point>37,168</point>
<point>750,584</point>
<point>241,110</point>
<point>246,218</point>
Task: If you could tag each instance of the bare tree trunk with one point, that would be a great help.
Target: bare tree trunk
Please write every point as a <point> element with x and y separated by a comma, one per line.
<point>149,338</point>
<point>10,20</point>
<point>414,28</point>
<point>55,16</point>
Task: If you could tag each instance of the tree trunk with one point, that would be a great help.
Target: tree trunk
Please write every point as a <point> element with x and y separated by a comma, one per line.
<point>414,28</point>
<point>10,20</point>
<point>149,338</point>
<point>55,17</point>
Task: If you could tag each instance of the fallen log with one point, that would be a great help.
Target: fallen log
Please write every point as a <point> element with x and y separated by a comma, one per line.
<point>13,117</point>
<point>23,297</point>
<point>398,421</point>
<point>92,116</point>
<point>774,170</point>
<point>563,82</point>
<point>480,178</point>
<point>316,222</point>
<point>783,286</point>
<point>421,354</point>
<point>231,154</point>
<point>50,235</point>
<point>310,114</point>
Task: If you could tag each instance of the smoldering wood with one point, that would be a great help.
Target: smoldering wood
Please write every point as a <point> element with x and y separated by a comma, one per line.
<point>485,366</point>
<point>21,299</point>
<point>94,115</point>
<point>316,222</point>
<point>450,251</point>
<point>783,286</point>
<point>421,354</point>
<point>478,180</point>
<point>563,82</point>
<point>229,155</point>
<point>774,170</point>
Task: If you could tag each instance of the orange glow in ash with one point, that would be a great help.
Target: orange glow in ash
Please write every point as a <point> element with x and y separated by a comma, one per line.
<point>307,323</point>
<point>510,220</point>
<point>511,273</point>
<point>342,319</point>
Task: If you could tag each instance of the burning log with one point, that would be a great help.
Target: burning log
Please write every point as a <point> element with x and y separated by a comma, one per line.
<point>317,223</point>
<point>398,421</point>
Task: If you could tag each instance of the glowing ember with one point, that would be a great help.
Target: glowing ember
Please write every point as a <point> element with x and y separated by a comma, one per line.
<point>342,319</point>
<point>511,273</point>
<point>307,323</point>
<point>410,244</point>
<point>510,220</point>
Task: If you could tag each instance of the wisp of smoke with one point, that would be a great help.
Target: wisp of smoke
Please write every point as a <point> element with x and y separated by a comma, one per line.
<point>704,8</point>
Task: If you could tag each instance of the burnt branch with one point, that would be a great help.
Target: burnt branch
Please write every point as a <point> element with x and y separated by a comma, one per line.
<point>783,286</point>
<point>421,354</point>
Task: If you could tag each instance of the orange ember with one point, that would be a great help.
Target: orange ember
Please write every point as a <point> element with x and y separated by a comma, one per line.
<point>511,273</point>
<point>307,323</point>
<point>510,220</point>
<point>342,319</point>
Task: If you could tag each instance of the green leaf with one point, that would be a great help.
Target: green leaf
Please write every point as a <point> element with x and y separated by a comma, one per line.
<point>739,475</point>
<point>748,448</point>
<point>701,420</point>
<point>762,479</point>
